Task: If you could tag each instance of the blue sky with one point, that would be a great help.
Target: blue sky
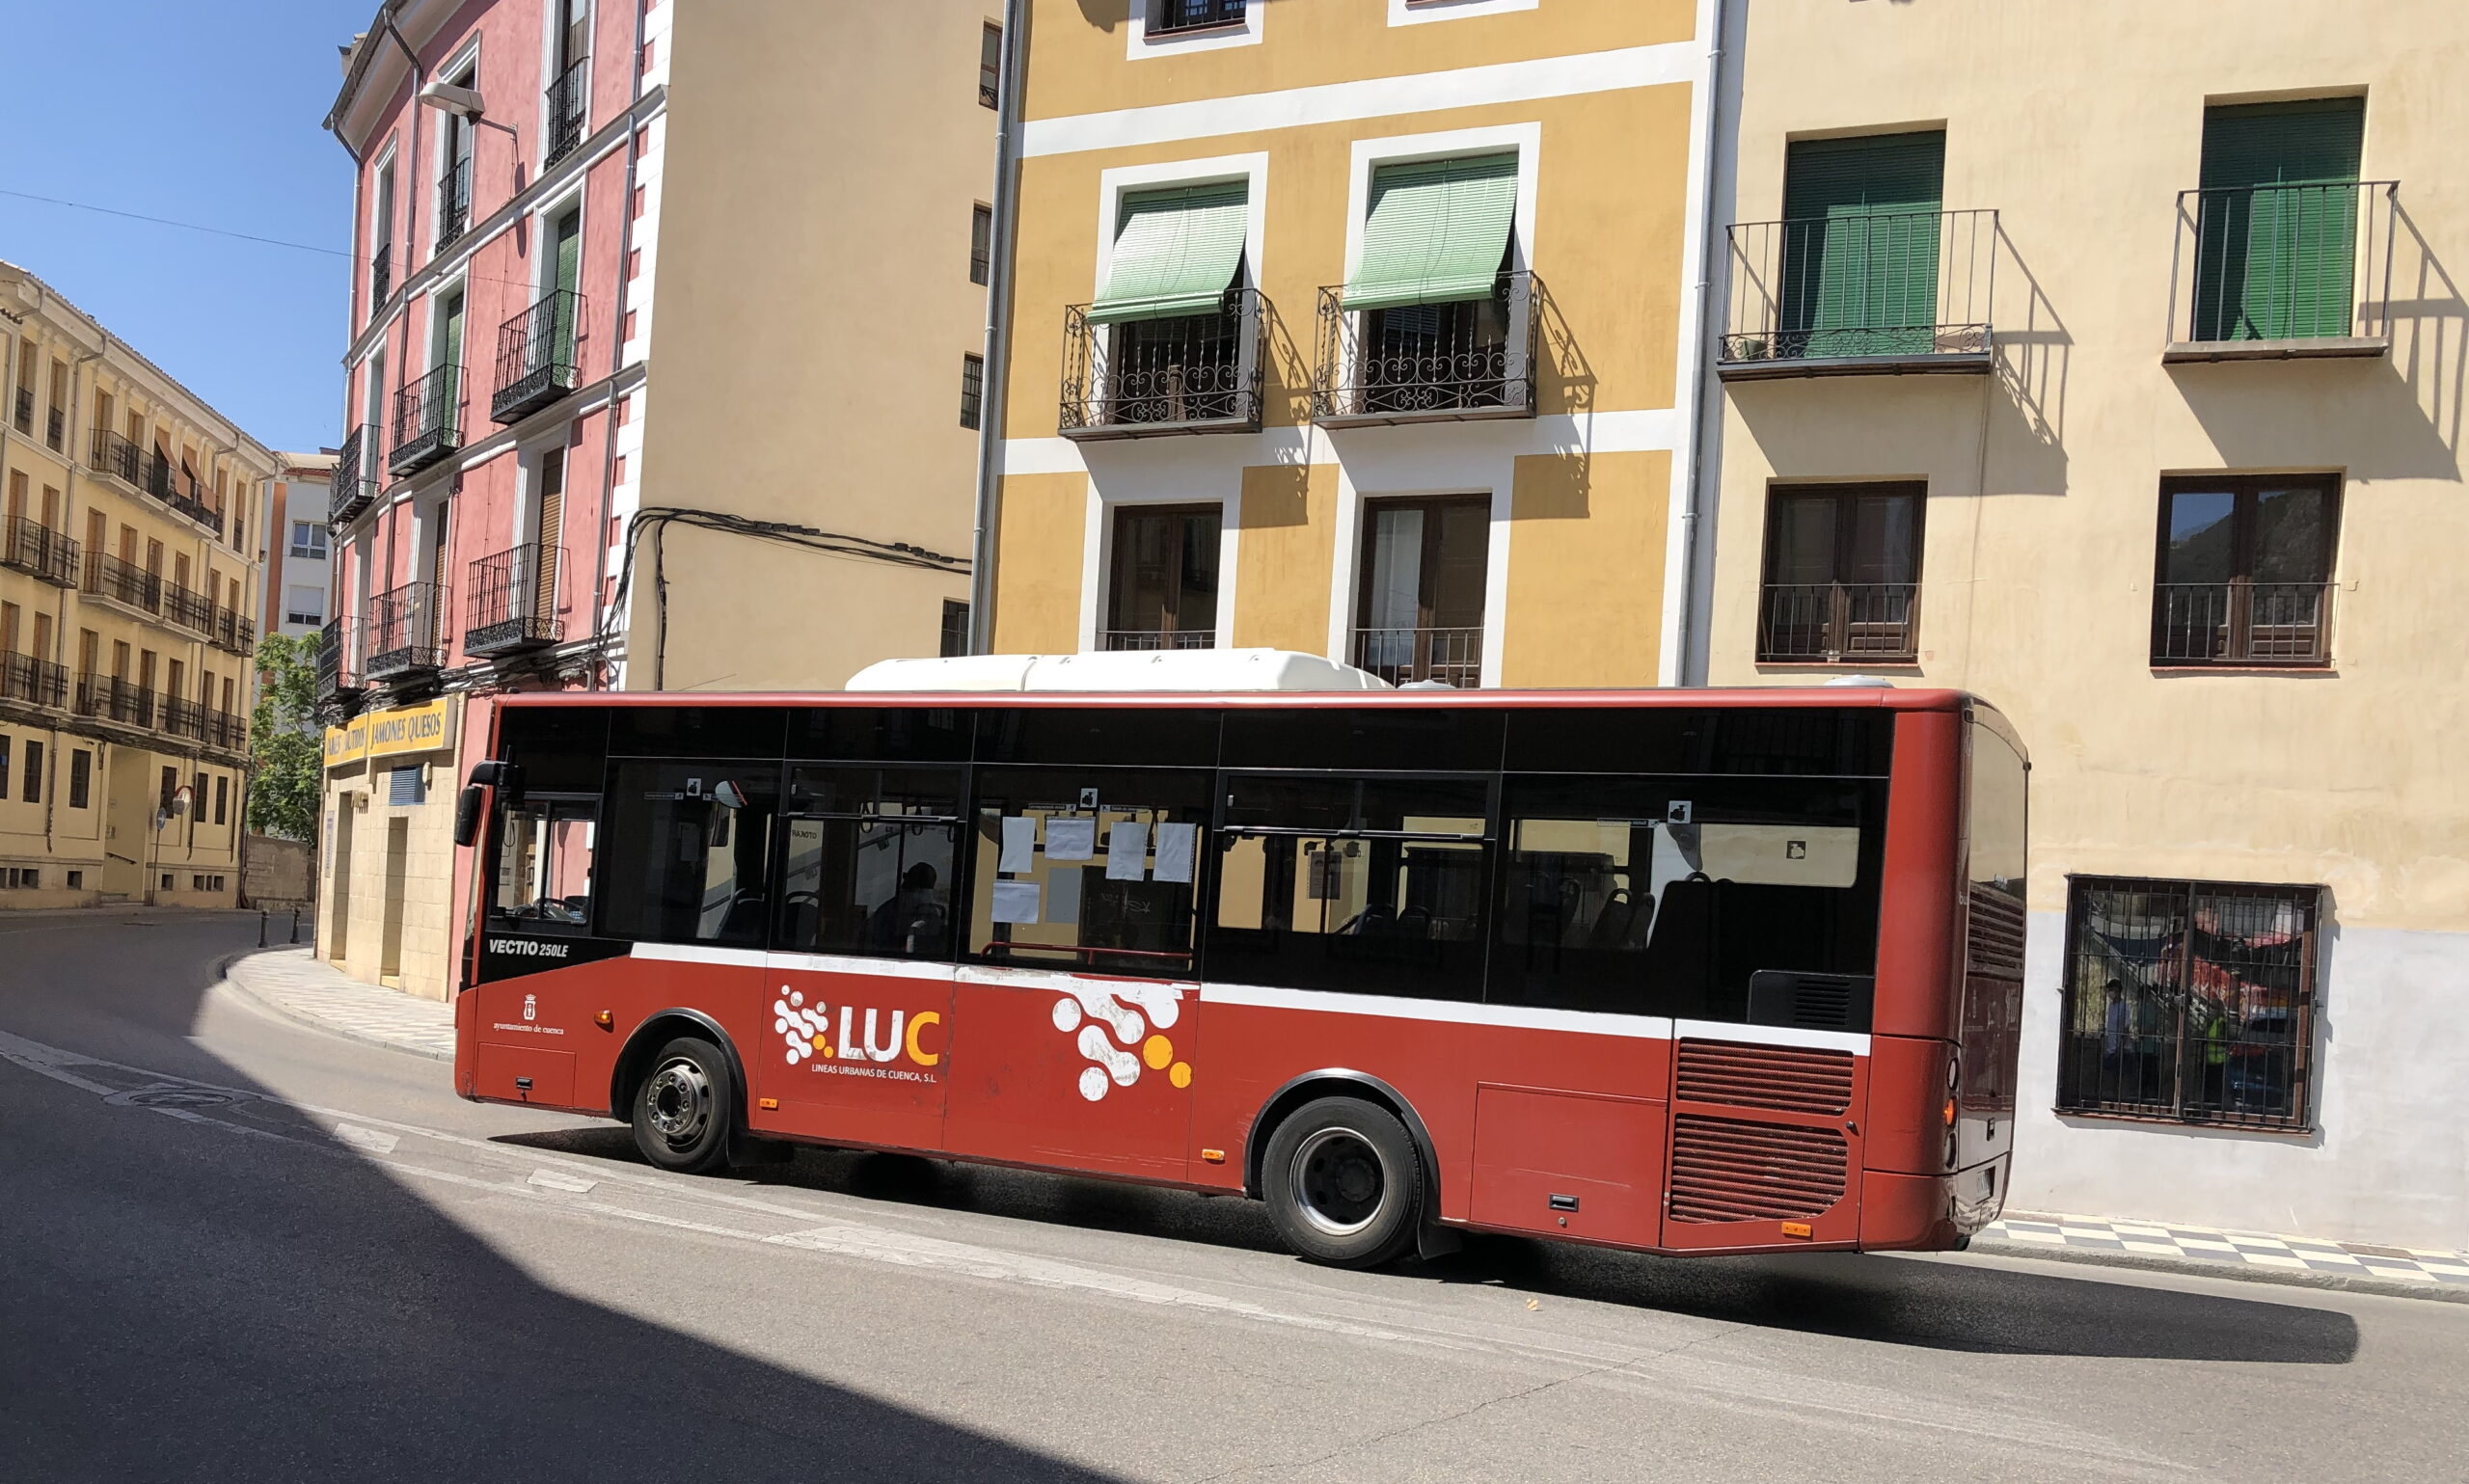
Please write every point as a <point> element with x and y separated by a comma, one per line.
<point>202,113</point>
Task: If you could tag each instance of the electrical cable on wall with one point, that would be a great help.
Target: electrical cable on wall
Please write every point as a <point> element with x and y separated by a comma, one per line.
<point>654,520</point>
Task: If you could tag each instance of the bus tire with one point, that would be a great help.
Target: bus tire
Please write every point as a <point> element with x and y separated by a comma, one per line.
<point>684,1107</point>
<point>1343,1182</point>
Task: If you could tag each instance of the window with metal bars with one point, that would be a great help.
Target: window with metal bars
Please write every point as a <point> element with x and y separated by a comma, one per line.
<point>1842,582</point>
<point>2244,574</point>
<point>2189,1002</point>
<point>981,244</point>
<point>1166,16</point>
<point>972,391</point>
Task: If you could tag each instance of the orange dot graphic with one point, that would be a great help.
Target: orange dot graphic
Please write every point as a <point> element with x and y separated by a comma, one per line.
<point>1182,1075</point>
<point>1157,1052</point>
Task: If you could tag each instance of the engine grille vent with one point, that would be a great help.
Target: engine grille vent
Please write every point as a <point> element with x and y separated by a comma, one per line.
<point>1727,1170</point>
<point>1780,1077</point>
<point>1997,945</point>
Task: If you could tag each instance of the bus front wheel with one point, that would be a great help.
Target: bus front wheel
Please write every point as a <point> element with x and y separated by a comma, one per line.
<point>1343,1182</point>
<point>683,1107</point>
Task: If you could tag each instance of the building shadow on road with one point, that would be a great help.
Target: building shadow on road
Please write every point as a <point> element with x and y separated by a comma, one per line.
<point>183,1302</point>
<point>1940,1306</point>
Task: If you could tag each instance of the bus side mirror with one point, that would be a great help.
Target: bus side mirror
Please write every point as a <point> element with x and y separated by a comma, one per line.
<point>466,815</point>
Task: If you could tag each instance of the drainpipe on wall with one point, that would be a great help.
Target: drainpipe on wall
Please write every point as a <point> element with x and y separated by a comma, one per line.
<point>1688,668</point>
<point>998,332</point>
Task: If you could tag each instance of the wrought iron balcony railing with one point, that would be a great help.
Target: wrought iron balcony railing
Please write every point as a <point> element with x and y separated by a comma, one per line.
<point>455,202</point>
<point>2241,623</point>
<point>26,411</point>
<point>227,730</point>
<point>355,479</point>
<point>183,717</point>
<point>34,681</point>
<point>1197,373</point>
<point>1889,291</point>
<point>536,357</point>
<point>109,699</point>
<point>120,458</point>
<point>428,421</point>
<point>1158,638</point>
<point>1169,16</point>
<point>1835,623</point>
<point>38,682</point>
<point>569,111</point>
<point>39,551</point>
<point>2283,272</point>
<point>337,666</point>
<point>1426,362</point>
<point>233,632</point>
<point>123,583</point>
<point>1403,656</point>
<point>188,608</point>
<point>512,601</point>
<point>381,278</point>
<point>406,630</point>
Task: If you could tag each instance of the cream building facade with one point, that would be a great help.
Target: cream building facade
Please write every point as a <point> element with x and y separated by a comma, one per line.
<point>1363,328</point>
<point>2109,363</point>
<point>129,584</point>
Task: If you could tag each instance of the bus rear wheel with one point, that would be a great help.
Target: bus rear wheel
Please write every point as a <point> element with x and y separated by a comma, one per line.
<point>683,1107</point>
<point>1343,1182</point>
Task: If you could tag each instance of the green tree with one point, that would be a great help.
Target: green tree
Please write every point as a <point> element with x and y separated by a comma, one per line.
<point>286,739</point>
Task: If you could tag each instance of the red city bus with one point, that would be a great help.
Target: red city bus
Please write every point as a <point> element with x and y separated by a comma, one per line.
<point>1681,971</point>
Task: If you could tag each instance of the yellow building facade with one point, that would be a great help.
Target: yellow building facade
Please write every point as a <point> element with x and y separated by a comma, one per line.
<point>1364,328</point>
<point>129,597</point>
<point>2107,363</point>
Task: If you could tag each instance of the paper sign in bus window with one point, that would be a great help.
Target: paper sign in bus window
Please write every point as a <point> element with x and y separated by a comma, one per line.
<point>1019,845</point>
<point>1177,846</point>
<point>1128,851</point>
<point>1071,839</point>
<point>1015,902</point>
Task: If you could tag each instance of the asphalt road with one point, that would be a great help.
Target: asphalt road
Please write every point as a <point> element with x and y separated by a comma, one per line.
<point>234,1247</point>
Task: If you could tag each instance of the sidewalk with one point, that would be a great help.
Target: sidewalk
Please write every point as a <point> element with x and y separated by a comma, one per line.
<point>292,984</point>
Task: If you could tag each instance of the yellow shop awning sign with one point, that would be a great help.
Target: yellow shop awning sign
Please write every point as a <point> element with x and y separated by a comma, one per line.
<point>421,728</point>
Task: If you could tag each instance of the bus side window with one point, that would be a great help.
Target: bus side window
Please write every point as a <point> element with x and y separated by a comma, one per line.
<point>1088,867</point>
<point>1360,885</point>
<point>544,862</point>
<point>869,861</point>
<point>1597,910</point>
<point>688,849</point>
<point>1793,867</point>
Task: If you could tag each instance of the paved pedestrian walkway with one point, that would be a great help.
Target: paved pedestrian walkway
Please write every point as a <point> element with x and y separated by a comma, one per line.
<point>291,983</point>
<point>2299,1259</point>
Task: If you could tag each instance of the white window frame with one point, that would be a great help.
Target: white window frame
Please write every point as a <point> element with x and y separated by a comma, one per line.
<point>1416,12</point>
<point>550,15</point>
<point>442,135</point>
<point>1141,45</point>
<point>291,612</point>
<point>378,175</point>
<point>544,263</point>
<point>1113,185</point>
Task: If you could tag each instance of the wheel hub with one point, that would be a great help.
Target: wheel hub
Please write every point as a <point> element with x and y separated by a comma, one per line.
<point>1339,1181</point>
<point>678,1100</point>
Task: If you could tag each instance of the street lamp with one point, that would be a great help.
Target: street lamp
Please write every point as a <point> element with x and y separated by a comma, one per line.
<point>169,810</point>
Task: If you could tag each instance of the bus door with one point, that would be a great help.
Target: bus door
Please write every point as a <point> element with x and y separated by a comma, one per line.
<point>1075,1026</point>
<point>1769,888</point>
<point>857,1008</point>
<point>532,998</point>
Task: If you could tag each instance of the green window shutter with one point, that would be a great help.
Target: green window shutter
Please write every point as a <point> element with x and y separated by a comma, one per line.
<point>1437,233</point>
<point>2276,228</point>
<point>569,230</point>
<point>1860,227</point>
<point>1175,254</point>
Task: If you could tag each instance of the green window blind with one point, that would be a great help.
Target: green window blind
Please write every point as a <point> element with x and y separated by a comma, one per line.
<point>1859,269</point>
<point>2276,230</point>
<point>569,236</point>
<point>1175,254</point>
<point>1437,233</point>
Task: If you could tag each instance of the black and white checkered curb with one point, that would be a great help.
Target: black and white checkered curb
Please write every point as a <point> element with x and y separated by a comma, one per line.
<point>2444,1274</point>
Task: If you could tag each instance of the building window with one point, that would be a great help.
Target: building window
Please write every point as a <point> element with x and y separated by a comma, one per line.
<point>1843,582</point>
<point>2245,571</point>
<point>305,606</point>
<point>32,794</point>
<point>406,787</point>
<point>1420,616</point>
<point>2276,220</point>
<point>2189,1000</point>
<point>1436,319</point>
<point>989,68</point>
<point>1170,15</point>
<point>4,767</point>
<point>81,779</point>
<point>981,244</point>
<point>76,881</point>
<point>955,628</point>
<point>972,391</point>
<point>169,792</point>
<point>1162,592</point>
<point>222,798</point>
<point>308,540</point>
<point>1860,246</point>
